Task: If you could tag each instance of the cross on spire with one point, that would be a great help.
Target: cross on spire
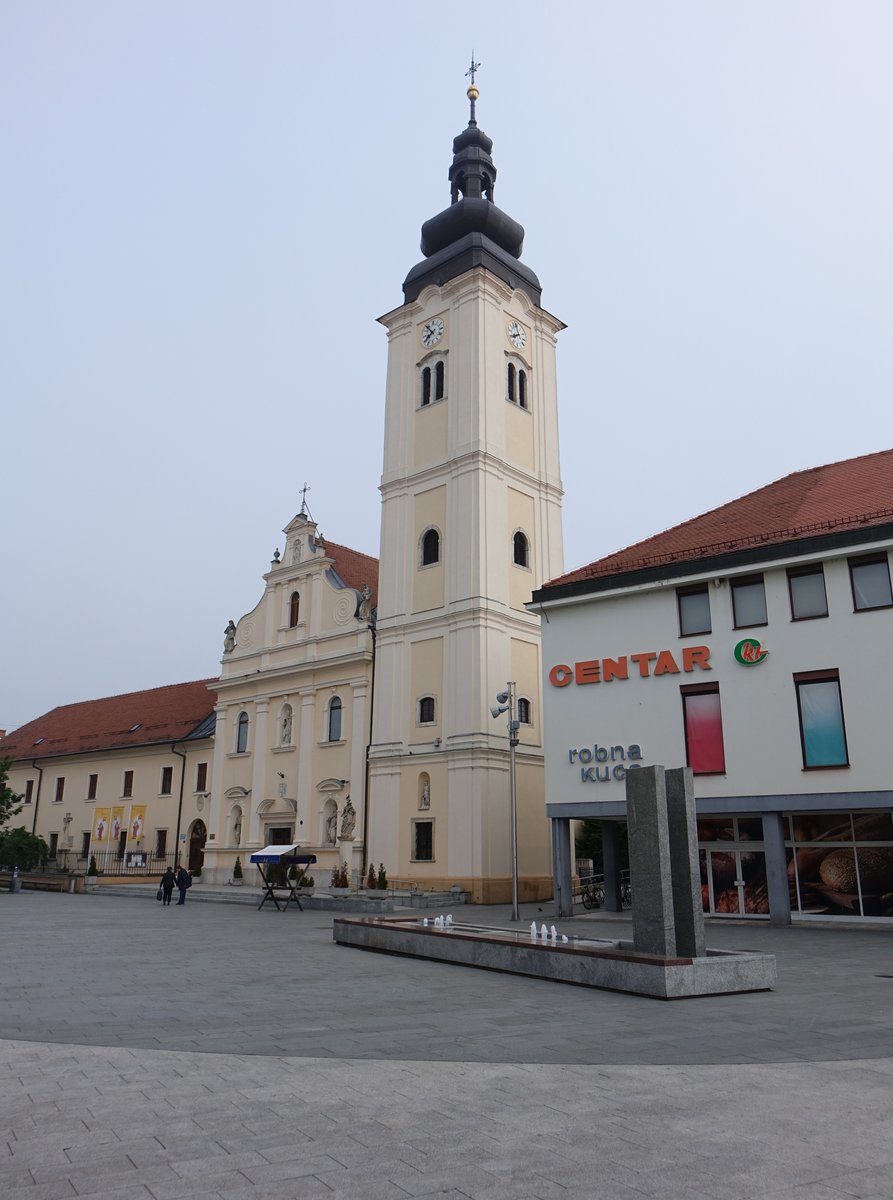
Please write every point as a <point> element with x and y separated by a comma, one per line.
<point>304,490</point>
<point>475,66</point>
<point>472,92</point>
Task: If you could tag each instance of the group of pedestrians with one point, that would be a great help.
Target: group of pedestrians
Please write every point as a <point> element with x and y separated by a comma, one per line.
<point>179,879</point>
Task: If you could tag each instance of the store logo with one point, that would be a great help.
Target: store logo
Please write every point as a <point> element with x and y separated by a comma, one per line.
<point>749,652</point>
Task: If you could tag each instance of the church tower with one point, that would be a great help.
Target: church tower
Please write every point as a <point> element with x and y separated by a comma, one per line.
<point>471,525</point>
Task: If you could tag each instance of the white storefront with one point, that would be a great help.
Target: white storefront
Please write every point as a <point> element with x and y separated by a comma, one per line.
<point>769,673</point>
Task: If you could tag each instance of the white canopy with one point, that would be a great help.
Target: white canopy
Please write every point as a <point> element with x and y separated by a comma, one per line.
<point>275,854</point>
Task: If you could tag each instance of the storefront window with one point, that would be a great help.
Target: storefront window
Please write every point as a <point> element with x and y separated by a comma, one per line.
<point>833,877</point>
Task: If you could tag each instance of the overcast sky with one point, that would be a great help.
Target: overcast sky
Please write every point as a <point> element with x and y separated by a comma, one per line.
<point>206,205</point>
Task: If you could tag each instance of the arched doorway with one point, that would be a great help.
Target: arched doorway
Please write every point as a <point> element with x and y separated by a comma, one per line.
<point>198,835</point>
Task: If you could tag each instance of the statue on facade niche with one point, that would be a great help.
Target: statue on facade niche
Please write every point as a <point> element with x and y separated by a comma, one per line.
<point>364,612</point>
<point>348,821</point>
<point>229,638</point>
<point>425,798</point>
<point>285,740</point>
<point>332,827</point>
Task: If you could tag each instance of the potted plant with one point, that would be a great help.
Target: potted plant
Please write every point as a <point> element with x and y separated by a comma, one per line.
<point>197,874</point>
<point>236,880</point>
<point>382,877</point>
<point>306,884</point>
<point>340,885</point>
<point>92,874</point>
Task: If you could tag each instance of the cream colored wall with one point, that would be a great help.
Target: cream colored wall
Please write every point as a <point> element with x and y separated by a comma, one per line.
<point>429,509</point>
<point>288,785</point>
<point>426,676</point>
<point>526,675</point>
<point>430,424</point>
<point>146,762</point>
<point>521,516</point>
<point>519,427</point>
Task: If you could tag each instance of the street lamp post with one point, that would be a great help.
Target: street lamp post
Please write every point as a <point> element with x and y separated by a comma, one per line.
<point>505,703</point>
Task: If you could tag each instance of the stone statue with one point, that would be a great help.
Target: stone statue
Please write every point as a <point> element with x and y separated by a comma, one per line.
<point>425,798</point>
<point>229,638</point>
<point>365,610</point>
<point>348,821</point>
<point>332,827</point>
<point>286,729</point>
<point>296,550</point>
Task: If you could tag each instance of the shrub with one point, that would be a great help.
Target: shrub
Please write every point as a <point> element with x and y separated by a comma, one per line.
<point>382,876</point>
<point>237,869</point>
<point>341,876</point>
<point>307,881</point>
<point>19,848</point>
<point>197,873</point>
<point>92,869</point>
<point>292,872</point>
<point>371,878</point>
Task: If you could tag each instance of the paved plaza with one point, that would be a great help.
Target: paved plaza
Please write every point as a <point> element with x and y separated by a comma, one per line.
<point>214,1052</point>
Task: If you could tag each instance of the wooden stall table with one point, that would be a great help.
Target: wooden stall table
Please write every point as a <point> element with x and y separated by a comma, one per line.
<point>280,857</point>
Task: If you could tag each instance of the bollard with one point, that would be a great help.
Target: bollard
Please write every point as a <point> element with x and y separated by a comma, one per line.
<point>15,884</point>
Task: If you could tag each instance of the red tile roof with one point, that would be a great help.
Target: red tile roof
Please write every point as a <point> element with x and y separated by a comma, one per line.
<point>354,567</point>
<point>164,714</point>
<point>854,494</point>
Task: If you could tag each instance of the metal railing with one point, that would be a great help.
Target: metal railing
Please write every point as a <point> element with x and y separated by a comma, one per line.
<point>112,862</point>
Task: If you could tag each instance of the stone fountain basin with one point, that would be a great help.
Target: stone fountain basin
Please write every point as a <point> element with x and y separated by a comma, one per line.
<point>613,965</point>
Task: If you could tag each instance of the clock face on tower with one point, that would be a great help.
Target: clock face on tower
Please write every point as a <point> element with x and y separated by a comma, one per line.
<point>517,336</point>
<point>432,332</point>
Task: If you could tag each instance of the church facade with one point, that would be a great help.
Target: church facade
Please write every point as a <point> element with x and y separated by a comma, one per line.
<point>353,705</point>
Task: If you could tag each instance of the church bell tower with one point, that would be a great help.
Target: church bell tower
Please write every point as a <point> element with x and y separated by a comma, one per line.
<point>471,525</point>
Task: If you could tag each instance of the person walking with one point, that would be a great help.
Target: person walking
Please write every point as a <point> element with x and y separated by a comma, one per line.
<point>184,881</point>
<point>168,880</point>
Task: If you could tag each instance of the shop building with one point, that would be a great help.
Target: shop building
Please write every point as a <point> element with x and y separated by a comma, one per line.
<point>752,644</point>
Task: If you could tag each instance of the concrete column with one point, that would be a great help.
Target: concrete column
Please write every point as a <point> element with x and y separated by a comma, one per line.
<point>359,735</point>
<point>688,908</point>
<point>649,860</point>
<point>611,865</point>
<point>561,867</point>
<point>776,869</point>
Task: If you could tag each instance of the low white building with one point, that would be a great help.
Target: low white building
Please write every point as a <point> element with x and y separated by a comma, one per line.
<point>752,644</point>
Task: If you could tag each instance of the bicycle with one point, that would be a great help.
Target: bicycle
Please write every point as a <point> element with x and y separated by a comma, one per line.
<point>592,893</point>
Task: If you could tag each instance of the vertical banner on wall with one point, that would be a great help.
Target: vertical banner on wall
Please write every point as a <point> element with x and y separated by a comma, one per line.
<point>117,823</point>
<point>137,821</point>
<point>101,826</point>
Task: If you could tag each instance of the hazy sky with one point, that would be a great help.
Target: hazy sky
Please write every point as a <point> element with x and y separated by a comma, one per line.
<point>206,205</point>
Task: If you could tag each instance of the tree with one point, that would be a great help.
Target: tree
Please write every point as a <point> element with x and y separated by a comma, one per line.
<point>19,848</point>
<point>10,801</point>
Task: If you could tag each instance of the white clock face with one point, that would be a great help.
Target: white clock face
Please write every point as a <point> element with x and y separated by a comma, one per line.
<point>517,336</point>
<point>432,332</point>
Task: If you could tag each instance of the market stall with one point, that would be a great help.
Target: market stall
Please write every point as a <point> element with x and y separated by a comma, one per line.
<point>274,864</point>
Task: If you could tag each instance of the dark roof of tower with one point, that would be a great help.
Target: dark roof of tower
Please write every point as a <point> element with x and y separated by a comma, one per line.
<point>808,512</point>
<point>472,231</point>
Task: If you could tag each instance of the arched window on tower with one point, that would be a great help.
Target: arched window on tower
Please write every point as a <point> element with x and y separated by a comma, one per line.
<point>242,733</point>
<point>438,380</point>
<point>426,386</point>
<point>426,710</point>
<point>334,732</point>
<point>510,384</point>
<point>524,711</point>
<point>522,388</point>
<point>294,609</point>
<point>430,547</point>
<point>520,550</point>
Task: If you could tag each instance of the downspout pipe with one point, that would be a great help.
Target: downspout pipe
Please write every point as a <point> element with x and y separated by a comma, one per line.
<point>37,796</point>
<point>368,751</point>
<point>179,754</point>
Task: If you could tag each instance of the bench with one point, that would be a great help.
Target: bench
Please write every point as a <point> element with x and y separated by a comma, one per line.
<point>37,883</point>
